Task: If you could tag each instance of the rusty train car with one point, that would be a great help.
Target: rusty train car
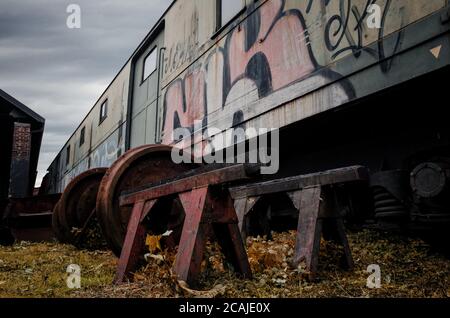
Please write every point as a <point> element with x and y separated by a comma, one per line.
<point>346,82</point>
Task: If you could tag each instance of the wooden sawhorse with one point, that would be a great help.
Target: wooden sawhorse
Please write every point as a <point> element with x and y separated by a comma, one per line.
<point>206,205</point>
<point>315,199</point>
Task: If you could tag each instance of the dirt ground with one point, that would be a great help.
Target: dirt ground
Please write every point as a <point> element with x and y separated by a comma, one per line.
<point>409,268</point>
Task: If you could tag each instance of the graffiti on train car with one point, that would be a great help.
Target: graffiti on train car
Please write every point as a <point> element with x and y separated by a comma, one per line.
<point>111,149</point>
<point>270,49</point>
<point>102,156</point>
<point>349,23</point>
<point>279,44</point>
<point>184,51</point>
<point>81,167</point>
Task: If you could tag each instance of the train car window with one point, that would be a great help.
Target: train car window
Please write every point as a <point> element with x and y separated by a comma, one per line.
<point>149,65</point>
<point>103,111</point>
<point>82,136</point>
<point>68,155</point>
<point>228,9</point>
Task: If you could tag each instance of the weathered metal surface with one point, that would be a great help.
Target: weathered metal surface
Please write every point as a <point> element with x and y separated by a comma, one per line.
<point>76,206</point>
<point>341,175</point>
<point>31,205</point>
<point>390,195</point>
<point>258,72</point>
<point>136,168</point>
<point>429,179</point>
<point>193,24</point>
<point>30,219</point>
<point>145,103</point>
<point>429,182</point>
<point>104,142</point>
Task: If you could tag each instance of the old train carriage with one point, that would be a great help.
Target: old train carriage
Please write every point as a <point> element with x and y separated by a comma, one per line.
<point>346,82</point>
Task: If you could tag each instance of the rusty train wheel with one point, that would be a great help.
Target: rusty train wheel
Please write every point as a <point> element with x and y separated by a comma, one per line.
<point>56,224</point>
<point>76,205</point>
<point>138,167</point>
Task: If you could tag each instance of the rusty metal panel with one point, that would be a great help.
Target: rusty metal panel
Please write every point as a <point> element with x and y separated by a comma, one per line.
<point>30,218</point>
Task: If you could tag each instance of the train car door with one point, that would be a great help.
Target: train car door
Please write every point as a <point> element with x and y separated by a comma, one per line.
<point>144,100</point>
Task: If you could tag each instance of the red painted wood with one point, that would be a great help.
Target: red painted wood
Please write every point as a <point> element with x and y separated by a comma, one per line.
<point>193,238</point>
<point>219,176</point>
<point>205,207</point>
<point>134,241</point>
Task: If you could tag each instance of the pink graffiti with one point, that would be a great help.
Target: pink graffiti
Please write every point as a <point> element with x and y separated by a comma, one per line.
<point>187,105</point>
<point>281,39</point>
<point>284,46</point>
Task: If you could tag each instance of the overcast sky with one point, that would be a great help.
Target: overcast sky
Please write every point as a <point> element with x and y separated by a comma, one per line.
<point>60,72</point>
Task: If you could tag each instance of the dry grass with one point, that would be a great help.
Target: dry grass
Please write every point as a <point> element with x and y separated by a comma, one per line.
<point>409,269</point>
<point>39,270</point>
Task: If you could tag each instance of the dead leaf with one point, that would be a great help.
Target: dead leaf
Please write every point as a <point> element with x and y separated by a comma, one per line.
<point>154,243</point>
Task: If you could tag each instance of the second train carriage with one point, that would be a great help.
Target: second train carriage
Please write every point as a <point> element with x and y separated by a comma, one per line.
<point>346,83</point>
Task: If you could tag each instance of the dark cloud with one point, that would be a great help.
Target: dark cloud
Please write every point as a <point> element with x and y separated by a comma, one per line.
<point>61,72</point>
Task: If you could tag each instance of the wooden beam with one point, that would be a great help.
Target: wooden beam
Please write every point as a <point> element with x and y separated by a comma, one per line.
<point>342,175</point>
<point>210,178</point>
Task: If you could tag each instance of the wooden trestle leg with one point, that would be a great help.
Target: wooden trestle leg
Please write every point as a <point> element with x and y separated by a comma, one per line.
<point>203,210</point>
<point>134,245</point>
<point>315,206</point>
